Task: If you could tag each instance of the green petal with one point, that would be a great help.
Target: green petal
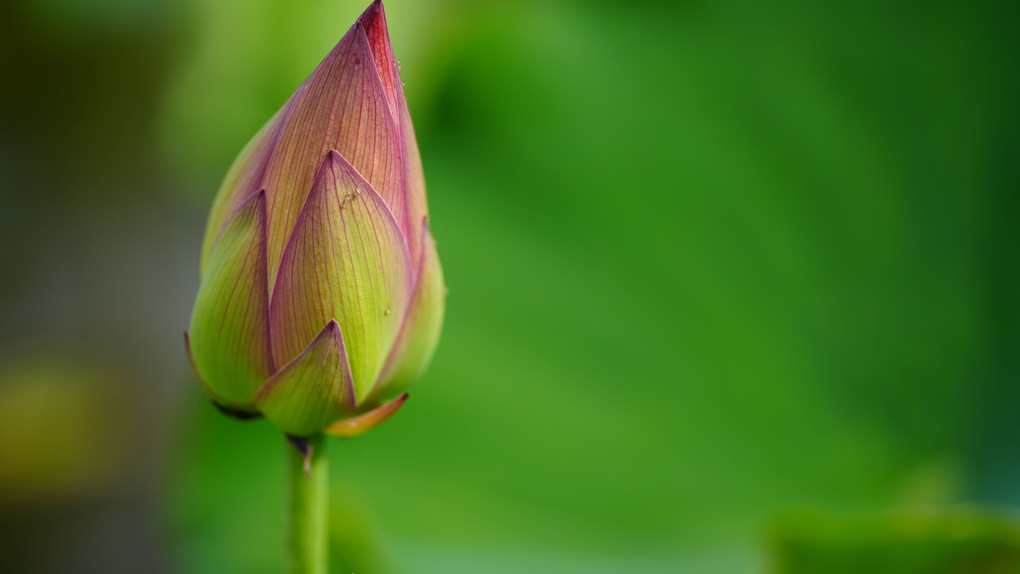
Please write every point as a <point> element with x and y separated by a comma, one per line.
<point>236,410</point>
<point>312,390</point>
<point>229,332</point>
<point>346,260</point>
<point>422,325</point>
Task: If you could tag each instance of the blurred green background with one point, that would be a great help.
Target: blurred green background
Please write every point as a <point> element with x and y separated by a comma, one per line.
<point>733,288</point>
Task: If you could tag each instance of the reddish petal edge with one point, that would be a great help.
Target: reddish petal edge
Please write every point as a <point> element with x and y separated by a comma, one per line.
<point>413,207</point>
<point>236,410</point>
<point>373,22</point>
<point>352,427</point>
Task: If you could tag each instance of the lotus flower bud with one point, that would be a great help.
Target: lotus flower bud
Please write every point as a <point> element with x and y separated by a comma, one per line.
<point>322,296</point>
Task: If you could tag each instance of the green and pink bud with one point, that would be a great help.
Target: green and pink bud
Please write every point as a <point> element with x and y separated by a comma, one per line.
<point>322,296</point>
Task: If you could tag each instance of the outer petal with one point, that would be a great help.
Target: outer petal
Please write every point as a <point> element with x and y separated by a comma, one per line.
<point>363,423</point>
<point>312,390</point>
<point>423,323</point>
<point>243,180</point>
<point>374,21</point>
<point>229,333</point>
<point>346,260</point>
<point>342,106</point>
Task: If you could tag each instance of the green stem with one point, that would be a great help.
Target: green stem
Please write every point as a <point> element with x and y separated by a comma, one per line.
<point>305,521</point>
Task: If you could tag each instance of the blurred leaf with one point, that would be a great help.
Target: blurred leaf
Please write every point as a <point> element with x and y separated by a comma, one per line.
<point>922,542</point>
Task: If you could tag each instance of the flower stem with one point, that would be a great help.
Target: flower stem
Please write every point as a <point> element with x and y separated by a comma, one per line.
<point>305,523</point>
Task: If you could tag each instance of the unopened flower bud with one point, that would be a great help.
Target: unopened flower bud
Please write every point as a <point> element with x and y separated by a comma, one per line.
<point>322,296</point>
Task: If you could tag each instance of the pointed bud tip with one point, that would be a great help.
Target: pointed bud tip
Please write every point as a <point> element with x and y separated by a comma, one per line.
<point>374,13</point>
<point>372,23</point>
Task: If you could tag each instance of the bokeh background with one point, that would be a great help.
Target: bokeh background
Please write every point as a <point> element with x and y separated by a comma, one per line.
<point>733,288</point>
